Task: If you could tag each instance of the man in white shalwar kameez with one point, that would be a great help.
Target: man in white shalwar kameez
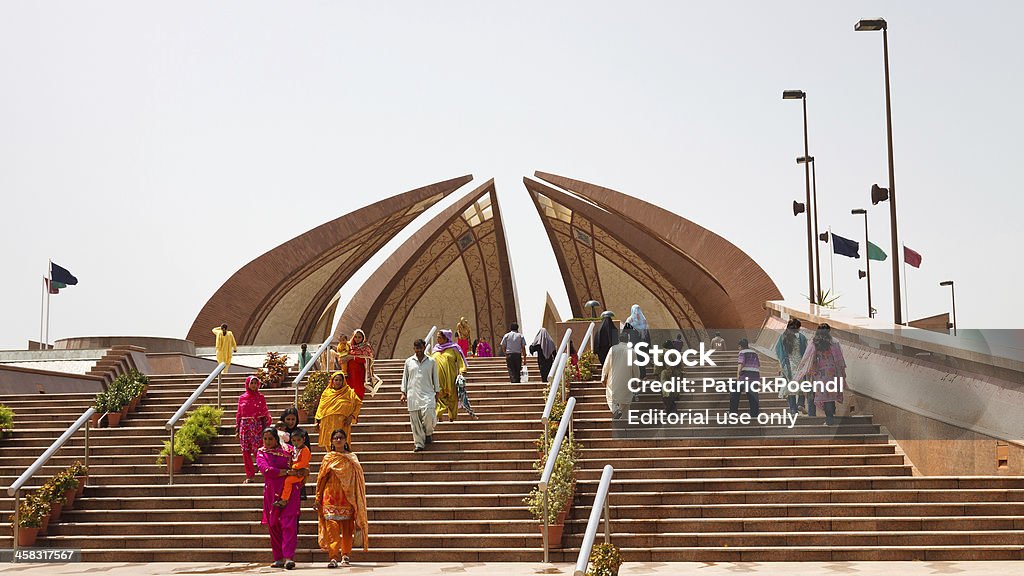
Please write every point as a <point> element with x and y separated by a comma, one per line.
<point>420,387</point>
<point>615,374</point>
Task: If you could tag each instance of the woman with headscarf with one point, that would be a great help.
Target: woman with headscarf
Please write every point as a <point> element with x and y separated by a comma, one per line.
<point>823,361</point>
<point>251,418</point>
<point>340,501</point>
<point>483,349</point>
<point>274,462</point>
<point>607,336</point>
<point>463,335</point>
<point>359,368</point>
<point>544,347</point>
<point>639,322</point>
<point>451,364</point>
<point>339,408</point>
<point>789,350</point>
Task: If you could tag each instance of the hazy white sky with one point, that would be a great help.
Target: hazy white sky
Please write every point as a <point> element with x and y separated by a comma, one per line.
<point>155,148</point>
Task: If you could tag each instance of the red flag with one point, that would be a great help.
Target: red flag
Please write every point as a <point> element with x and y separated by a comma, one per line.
<point>52,289</point>
<point>911,257</point>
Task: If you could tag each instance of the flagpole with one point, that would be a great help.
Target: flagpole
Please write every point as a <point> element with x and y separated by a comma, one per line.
<point>832,263</point>
<point>42,306</point>
<point>49,282</point>
<point>906,301</point>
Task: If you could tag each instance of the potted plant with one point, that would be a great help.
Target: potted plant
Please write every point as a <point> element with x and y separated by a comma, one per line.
<point>309,401</point>
<point>48,494</point>
<point>274,370</point>
<point>200,427</point>
<point>29,519</point>
<point>6,421</point>
<point>605,560</point>
<point>65,484</point>
<point>79,472</point>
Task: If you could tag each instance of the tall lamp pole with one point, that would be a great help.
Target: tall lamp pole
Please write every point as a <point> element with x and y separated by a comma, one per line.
<point>814,209</point>
<point>867,252</point>
<point>897,308</point>
<point>952,293</point>
<point>812,295</point>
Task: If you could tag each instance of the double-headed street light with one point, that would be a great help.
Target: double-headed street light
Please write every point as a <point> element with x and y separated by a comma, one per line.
<point>875,25</point>
<point>814,209</point>
<point>812,295</point>
<point>952,293</point>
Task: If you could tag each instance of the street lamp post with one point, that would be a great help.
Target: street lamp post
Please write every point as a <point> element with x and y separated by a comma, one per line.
<point>812,295</point>
<point>952,293</point>
<point>814,208</point>
<point>867,252</point>
<point>874,25</point>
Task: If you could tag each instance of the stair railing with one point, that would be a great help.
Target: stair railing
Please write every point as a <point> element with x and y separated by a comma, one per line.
<point>549,466</point>
<point>430,336</point>
<point>309,365</point>
<point>561,348</point>
<point>555,385</point>
<point>15,488</point>
<point>588,338</point>
<point>600,506</point>
<point>184,408</point>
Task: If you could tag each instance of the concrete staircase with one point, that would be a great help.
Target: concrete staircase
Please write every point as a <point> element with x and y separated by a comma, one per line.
<point>715,494</point>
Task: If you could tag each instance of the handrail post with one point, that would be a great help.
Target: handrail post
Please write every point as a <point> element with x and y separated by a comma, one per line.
<point>607,519</point>
<point>549,466</point>
<point>170,461</point>
<point>17,517</point>
<point>87,445</point>
<point>218,390</point>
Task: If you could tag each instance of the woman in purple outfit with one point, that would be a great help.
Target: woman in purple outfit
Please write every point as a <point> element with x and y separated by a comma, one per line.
<point>274,462</point>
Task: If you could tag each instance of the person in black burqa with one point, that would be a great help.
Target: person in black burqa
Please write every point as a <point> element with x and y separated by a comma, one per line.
<point>607,336</point>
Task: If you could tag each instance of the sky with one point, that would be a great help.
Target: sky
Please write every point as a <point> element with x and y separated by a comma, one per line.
<point>155,148</point>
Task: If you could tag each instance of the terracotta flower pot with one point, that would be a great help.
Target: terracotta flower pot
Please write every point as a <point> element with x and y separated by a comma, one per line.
<point>303,416</point>
<point>55,511</point>
<point>95,420</point>
<point>124,411</point>
<point>133,404</point>
<point>113,419</point>
<point>554,534</point>
<point>27,536</point>
<point>81,486</point>
<point>562,516</point>
<point>43,525</point>
<point>177,462</point>
<point>69,498</point>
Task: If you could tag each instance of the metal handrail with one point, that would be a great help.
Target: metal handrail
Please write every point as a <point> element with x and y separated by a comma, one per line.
<point>561,348</point>
<point>15,488</point>
<point>588,337</point>
<point>600,505</point>
<point>549,466</point>
<point>555,384</point>
<point>309,365</point>
<point>430,335</point>
<point>184,408</point>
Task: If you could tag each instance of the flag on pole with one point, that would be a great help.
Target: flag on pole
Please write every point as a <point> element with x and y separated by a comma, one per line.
<point>845,246</point>
<point>61,275</point>
<point>53,287</point>
<point>876,253</point>
<point>911,257</point>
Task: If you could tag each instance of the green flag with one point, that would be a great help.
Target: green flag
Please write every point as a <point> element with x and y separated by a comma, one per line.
<point>876,253</point>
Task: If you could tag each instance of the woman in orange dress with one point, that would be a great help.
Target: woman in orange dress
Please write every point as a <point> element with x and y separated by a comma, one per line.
<point>340,501</point>
<point>359,368</point>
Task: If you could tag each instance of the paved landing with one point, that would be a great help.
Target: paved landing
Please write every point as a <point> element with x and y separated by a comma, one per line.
<point>527,569</point>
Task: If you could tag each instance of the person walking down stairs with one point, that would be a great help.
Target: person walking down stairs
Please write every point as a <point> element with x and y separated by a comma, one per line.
<point>451,365</point>
<point>251,418</point>
<point>420,388</point>
<point>341,502</point>
<point>339,408</point>
<point>225,345</point>
<point>274,461</point>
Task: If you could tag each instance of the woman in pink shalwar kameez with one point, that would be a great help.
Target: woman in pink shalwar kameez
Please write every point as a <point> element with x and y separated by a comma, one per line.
<point>274,462</point>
